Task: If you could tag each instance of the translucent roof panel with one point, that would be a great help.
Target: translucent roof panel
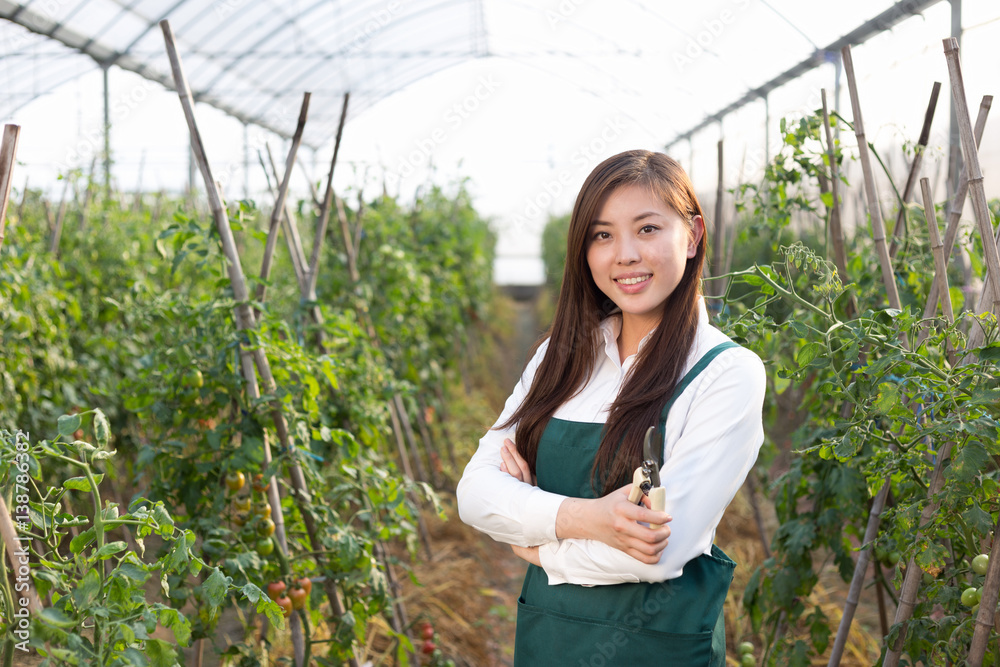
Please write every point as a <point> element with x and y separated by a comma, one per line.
<point>251,59</point>
<point>254,59</point>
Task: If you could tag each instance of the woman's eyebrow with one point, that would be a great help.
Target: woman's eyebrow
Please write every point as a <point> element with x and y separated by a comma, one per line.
<point>639,217</point>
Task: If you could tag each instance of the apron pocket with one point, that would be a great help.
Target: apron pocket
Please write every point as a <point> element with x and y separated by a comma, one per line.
<point>551,638</point>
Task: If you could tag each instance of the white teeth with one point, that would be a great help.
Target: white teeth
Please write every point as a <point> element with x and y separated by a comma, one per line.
<point>633,281</point>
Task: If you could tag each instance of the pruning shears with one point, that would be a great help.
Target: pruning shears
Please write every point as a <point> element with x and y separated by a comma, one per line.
<point>646,479</point>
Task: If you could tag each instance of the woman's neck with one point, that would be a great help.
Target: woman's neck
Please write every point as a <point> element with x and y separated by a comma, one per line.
<point>634,329</point>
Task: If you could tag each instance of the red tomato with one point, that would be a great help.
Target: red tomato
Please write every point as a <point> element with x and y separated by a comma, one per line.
<point>286,606</point>
<point>298,597</point>
<point>275,589</point>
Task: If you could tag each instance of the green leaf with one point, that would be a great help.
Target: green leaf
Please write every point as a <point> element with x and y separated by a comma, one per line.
<point>102,428</point>
<point>809,352</point>
<point>178,624</point>
<point>160,653</point>
<point>888,397</point>
<point>68,424</point>
<point>56,617</point>
<point>110,549</point>
<point>81,483</point>
<point>87,590</point>
<point>215,587</point>
<point>78,543</point>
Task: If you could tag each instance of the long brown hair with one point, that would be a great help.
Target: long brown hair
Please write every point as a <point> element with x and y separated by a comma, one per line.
<point>574,339</point>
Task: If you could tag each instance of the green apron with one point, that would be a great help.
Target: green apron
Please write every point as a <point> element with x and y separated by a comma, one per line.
<point>678,622</point>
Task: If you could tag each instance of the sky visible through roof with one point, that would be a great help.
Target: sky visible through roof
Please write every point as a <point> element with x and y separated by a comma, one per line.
<point>521,98</point>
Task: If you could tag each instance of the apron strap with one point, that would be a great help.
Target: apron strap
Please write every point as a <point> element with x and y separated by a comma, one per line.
<point>693,373</point>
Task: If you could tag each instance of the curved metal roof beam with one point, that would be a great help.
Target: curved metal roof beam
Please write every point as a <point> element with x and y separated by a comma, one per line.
<point>393,25</point>
<point>152,24</point>
<point>100,54</point>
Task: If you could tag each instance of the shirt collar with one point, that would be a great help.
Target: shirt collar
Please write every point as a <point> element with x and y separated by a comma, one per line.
<point>611,327</point>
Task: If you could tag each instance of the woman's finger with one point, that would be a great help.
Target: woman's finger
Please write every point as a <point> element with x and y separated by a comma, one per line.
<point>518,460</point>
<point>509,466</point>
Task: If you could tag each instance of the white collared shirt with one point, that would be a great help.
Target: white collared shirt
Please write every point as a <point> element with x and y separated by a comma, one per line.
<point>713,434</point>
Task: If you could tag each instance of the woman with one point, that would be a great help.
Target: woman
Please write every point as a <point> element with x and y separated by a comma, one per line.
<point>630,347</point>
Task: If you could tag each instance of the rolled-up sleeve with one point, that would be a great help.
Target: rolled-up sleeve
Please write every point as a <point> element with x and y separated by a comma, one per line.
<point>719,440</point>
<point>492,501</point>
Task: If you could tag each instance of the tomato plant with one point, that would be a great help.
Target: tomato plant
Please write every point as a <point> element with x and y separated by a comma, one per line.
<point>862,396</point>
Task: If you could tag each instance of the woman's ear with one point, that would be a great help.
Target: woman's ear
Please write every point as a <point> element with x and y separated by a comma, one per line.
<point>697,231</point>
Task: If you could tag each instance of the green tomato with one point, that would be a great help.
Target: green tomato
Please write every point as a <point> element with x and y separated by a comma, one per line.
<point>969,597</point>
<point>746,647</point>
<point>265,546</point>
<point>747,660</point>
<point>194,378</point>
<point>893,558</point>
<point>979,594</point>
<point>980,563</point>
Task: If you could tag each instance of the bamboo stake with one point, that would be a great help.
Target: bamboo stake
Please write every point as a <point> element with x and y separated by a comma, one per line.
<point>433,457</point>
<point>940,261</point>
<point>324,212</point>
<point>60,218</point>
<point>911,179</point>
<point>911,581</point>
<point>395,414</point>
<point>957,206</point>
<point>349,243</point>
<point>874,212</point>
<point>279,202</point>
<point>836,229</point>
<point>976,190</point>
<point>14,546</point>
<point>719,242</point>
<point>404,418</point>
<point>987,605</point>
<point>8,152</point>
<point>24,197</point>
<point>245,322</point>
<point>292,239</point>
<point>860,568</point>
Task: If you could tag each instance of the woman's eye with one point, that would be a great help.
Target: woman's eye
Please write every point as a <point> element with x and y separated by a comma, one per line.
<point>600,236</point>
<point>647,229</point>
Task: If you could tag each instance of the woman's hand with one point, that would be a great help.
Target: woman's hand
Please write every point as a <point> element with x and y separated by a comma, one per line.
<point>529,554</point>
<point>513,464</point>
<point>615,521</point>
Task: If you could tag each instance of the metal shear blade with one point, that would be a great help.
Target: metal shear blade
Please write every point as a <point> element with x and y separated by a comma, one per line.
<point>650,463</point>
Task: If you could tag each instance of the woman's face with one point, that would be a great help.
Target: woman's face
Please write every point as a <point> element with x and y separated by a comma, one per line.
<point>637,250</point>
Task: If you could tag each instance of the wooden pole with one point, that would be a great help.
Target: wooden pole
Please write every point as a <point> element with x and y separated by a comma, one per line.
<point>860,568</point>
<point>324,212</point>
<point>987,605</point>
<point>15,546</point>
<point>60,218</point>
<point>940,260</point>
<point>279,202</point>
<point>8,152</point>
<point>911,179</point>
<point>292,239</point>
<point>719,242</point>
<point>957,205</point>
<point>874,212</point>
<point>836,230</point>
<point>245,322</point>
<point>990,297</point>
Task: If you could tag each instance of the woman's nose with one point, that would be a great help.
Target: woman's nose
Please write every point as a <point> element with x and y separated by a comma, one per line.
<point>627,252</point>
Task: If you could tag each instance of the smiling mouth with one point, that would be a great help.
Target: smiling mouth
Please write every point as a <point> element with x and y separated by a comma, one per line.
<point>633,281</point>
